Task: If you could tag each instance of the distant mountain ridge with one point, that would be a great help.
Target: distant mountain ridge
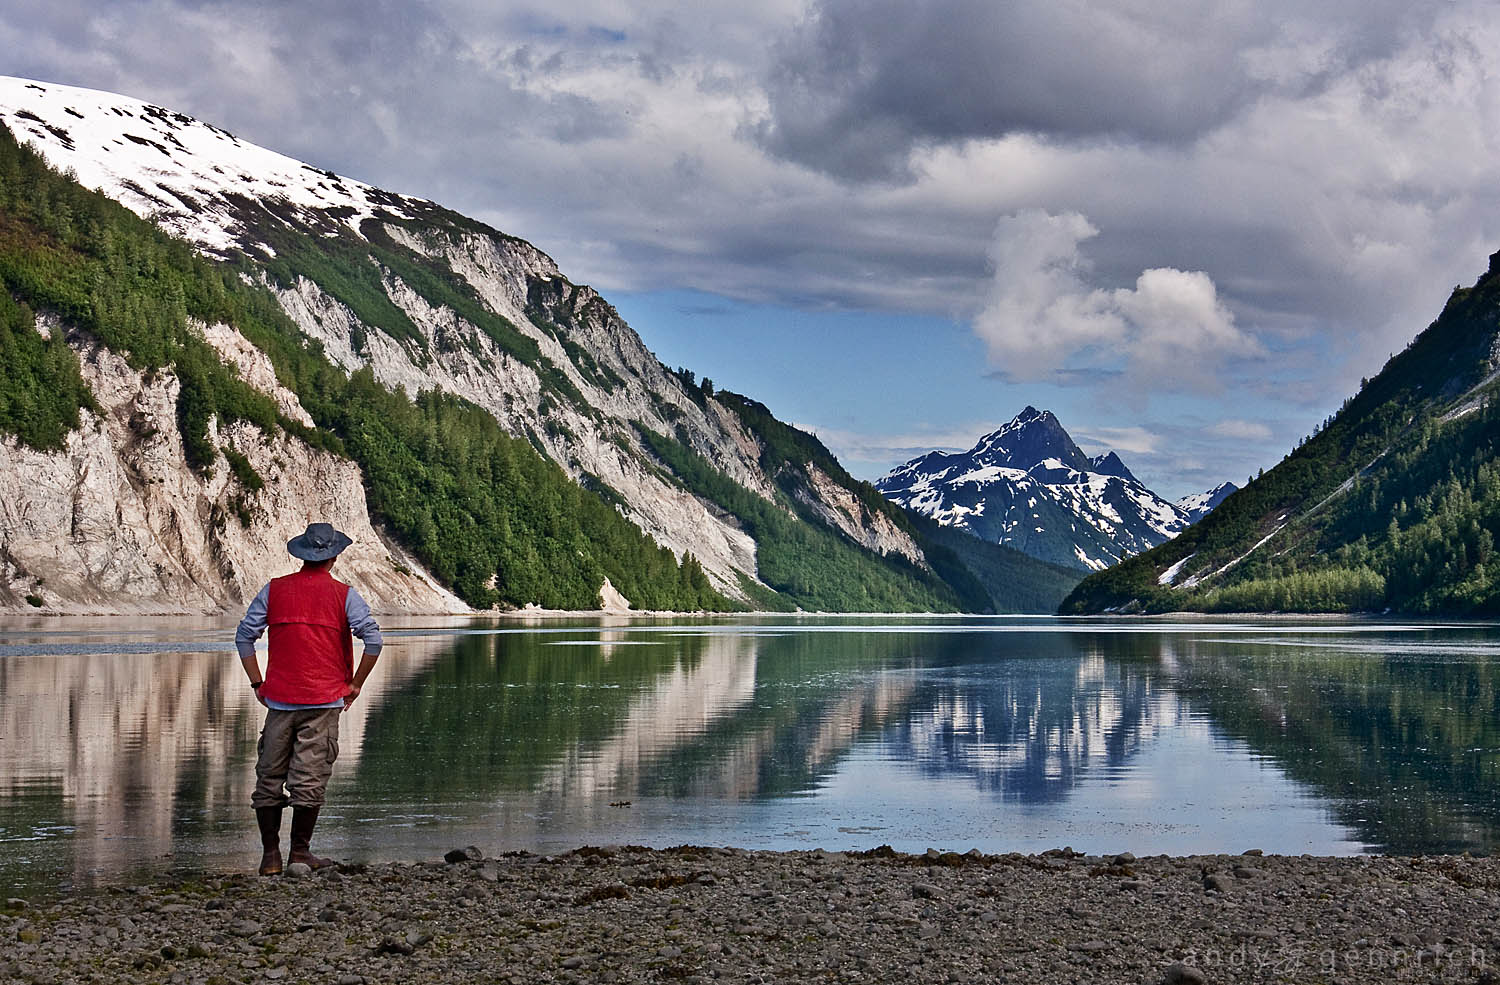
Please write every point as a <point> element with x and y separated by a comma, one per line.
<point>1029,486</point>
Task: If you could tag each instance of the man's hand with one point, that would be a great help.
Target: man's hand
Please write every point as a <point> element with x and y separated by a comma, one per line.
<point>252,670</point>
<point>366,664</point>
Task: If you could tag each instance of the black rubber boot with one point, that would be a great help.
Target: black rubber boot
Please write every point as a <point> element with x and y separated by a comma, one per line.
<point>304,819</point>
<point>269,819</point>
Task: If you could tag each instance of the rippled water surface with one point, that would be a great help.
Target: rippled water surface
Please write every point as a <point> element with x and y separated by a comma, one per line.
<point>127,747</point>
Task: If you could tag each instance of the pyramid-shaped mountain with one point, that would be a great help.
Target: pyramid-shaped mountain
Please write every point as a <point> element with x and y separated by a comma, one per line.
<point>1029,486</point>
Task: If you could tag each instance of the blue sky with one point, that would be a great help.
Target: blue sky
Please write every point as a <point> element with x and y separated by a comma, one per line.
<point>1188,227</point>
<point>882,389</point>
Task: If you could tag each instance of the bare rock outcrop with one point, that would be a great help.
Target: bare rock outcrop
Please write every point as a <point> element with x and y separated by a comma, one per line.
<point>840,507</point>
<point>116,522</point>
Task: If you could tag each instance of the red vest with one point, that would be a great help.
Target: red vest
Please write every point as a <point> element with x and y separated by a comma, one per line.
<point>311,658</point>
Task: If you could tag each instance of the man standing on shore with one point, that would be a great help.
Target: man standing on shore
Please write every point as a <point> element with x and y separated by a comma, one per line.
<point>310,678</point>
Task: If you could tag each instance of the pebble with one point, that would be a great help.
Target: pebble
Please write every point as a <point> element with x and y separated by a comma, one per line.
<point>1183,974</point>
<point>297,870</point>
<point>1217,882</point>
<point>469,854</point>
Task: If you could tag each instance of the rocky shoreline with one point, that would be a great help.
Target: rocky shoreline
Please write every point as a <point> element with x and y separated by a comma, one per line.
<point>726,915</point>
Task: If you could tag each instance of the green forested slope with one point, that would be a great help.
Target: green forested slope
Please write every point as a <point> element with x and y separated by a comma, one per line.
<point>1013,581</point>
<point>489,515</point>
<point>41,391</point>
<point>1393,504</point>
<point>486,512</point>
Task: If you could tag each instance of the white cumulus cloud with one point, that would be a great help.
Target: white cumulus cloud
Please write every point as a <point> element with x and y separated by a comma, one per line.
<point>1130,440</point>
<point>1241,430</point>
<point>1043,317</point>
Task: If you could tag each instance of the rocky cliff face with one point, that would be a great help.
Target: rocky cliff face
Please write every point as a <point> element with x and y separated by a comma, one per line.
<point>553,363</point>
<point>114,522</point>
<point>842,509</point>
<point>598,439</point>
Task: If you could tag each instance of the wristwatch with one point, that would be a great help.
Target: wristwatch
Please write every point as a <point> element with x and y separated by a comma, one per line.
<point>255,685</point>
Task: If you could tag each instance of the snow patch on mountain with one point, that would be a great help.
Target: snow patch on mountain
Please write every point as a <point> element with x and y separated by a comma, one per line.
<point>1170,575</point>
<point>191,177</point>
<point>1199,505</point>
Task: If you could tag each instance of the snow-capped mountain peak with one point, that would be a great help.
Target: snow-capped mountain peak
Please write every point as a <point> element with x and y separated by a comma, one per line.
<point>1029,439</point>
<point>1028,485</point>
<point>1199,505</point>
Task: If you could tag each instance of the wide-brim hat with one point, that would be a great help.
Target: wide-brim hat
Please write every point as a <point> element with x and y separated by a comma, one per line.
<point>319,542</point>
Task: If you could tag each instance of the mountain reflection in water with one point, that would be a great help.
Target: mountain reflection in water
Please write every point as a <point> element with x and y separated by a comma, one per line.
<point>1032,735</point>
<point>128,748</point>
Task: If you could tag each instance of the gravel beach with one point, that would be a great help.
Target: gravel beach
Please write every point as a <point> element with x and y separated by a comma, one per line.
<point>712,914</point>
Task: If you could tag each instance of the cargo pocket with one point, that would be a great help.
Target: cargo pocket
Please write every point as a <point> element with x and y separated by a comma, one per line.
<point>333,747</point>
<point>260,758</point>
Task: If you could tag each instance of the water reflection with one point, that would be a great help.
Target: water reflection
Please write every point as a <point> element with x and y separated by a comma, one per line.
<point>113,761</point>
<point>1032,734</point>
<point>125,747</point>
<point>1400,734</point>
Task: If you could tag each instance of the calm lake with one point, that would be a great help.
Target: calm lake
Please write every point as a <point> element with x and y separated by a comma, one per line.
<point>127,747</point>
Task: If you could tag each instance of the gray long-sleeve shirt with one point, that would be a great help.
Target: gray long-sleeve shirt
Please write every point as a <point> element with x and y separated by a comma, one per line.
<point>356,610</point>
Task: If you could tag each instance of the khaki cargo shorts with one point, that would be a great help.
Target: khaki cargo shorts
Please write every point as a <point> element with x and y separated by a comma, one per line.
<point>296,750</point>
